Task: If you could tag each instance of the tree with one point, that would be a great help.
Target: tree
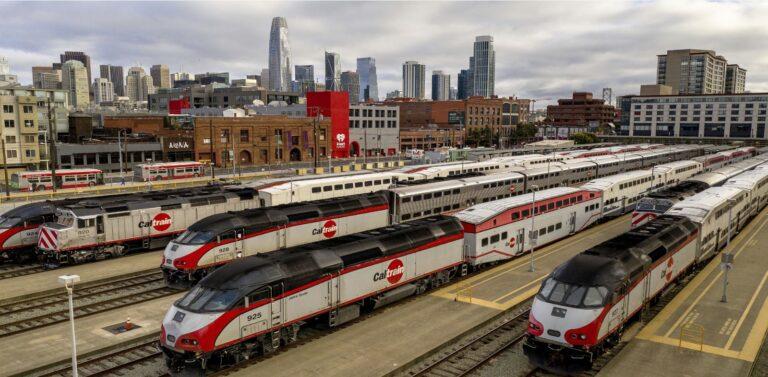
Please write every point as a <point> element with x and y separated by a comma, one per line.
<point>584,138</point>
<point>525,131</point>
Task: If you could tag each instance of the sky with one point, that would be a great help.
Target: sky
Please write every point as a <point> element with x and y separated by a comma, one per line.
<point>544,50</point>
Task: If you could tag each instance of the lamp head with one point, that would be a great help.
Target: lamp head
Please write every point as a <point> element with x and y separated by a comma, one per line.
<point>69,280</point>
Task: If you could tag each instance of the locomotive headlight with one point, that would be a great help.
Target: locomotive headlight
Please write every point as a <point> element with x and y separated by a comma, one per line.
<point>579,336</point>
<point>189,342</point>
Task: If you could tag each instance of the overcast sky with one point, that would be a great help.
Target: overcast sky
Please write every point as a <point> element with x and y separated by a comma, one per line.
<point>544,50</point>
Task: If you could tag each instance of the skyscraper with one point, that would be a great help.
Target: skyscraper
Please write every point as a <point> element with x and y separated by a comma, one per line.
<point>332,71</point>
<point>735,79</point>
<point>366,71</point>
<point>74,79</point>
<point>484,66</point>
<point>413,79</point>
<point>350,83</point>
<point>305,73</point>
<point>79,56</point>
<point>464,89</point>
<point>161,76</point>
<point>279,56</point>
<point>5,67</point>
<point>441,86</point>
<point>46,77</point>
<point>114,73</point>
<point>103,91</point>
<point>138,85</point>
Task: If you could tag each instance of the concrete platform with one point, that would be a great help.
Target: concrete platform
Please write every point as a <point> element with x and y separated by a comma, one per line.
<point>33,349</point>
<point>398,335</point>
<point>698,335</point>
<point>89,272</point>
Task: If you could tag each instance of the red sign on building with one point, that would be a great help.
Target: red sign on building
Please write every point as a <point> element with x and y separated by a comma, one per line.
<point>336,106</point>
<point>176,105</point>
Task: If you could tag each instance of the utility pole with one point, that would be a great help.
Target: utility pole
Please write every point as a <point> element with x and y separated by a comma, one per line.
<point>213,160</point>
<point>5,169</point>
<point>52,145</point>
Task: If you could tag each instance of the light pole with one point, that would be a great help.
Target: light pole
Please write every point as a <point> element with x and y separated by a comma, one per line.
<point>533,227</point>
<point>69,283</point>
<point>727,258</point>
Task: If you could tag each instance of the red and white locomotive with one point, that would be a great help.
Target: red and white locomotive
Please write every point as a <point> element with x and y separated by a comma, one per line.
<point>259,303</point>
<point>19,227</point>
<point>221,238</point>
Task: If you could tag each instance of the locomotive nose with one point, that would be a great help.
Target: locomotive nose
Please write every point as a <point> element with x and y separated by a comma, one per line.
<point>48,239</point>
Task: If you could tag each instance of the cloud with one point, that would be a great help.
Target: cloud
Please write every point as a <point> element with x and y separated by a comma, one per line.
<point>544,50</point>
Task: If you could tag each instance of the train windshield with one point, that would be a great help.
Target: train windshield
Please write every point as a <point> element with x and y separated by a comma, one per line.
<point>201,299</point>
<point>191,237</point>
<point>9,222</point>
<point>557,292</point>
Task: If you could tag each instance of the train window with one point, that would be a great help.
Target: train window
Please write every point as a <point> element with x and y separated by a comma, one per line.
<point>586,209</point>
<point>427,212</point>
<point>455,206</point>
<point>658,253</point>
<point>542,231</point>
<point>526,213</point>
<point>377,182</point>
<point>559,203</point>
<point>407,199</point>
<point>406,216</point>
<point>416,214</point>
<point>484,242</point>
<point>446,193</point>
<point>595,296</point>
<point>417,198</point>
<point>580,197</point>
<point>338,187</point>
<point>438,194</point>
<point>427,196</point>
<point>456,191</point>
<point>368,183</point>
<point>550,229</point>
<point>348,185</point>
<point>515,215</point>
<point>503,235</point>
<point>358,184</point>
<point>81,223</point>
<point>258,295</point>
<point>494,238</point>
<point>446,208</point>
<point>327,188</point>
<point>535,210</point>
<point>315,190</point>
<point>550,205</point>
<point>486,186</point>
<point>485,200</point>
<point>436,210</point>
<point>558,225</point>
<point>386,181</point>
<point>543,208</point>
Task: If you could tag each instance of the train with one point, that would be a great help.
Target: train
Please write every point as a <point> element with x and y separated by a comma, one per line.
<point>205,246</point>
<point>583,306</point>
<point>658,202</point>
<point>259,303</point>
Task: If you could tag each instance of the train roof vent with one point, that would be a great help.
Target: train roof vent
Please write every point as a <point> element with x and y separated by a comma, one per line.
<point>89,204</point>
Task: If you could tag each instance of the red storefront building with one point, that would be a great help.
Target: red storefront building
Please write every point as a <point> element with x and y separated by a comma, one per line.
<point>333,105</point>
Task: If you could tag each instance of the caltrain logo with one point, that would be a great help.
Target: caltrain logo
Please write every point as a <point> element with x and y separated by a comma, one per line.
<point>393,274</point>
<point>328,229</point>
<point>161,222</point>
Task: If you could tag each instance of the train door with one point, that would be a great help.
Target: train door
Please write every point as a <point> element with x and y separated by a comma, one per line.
<point>282,237</point>
<point>520,241</point>
<point>276,306</point>
<point>572,222</point>
<point>100,236</point>
<point>254,321</point>
<point>238,245</point>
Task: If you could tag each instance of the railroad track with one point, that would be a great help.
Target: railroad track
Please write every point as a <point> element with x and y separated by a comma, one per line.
<point>11,271</point>
<point>32,313</point>
<point>140,359</point>
<point>472,355</point>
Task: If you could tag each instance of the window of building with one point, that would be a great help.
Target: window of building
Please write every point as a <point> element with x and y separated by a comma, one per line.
<point>29,123</point>
<point>244,136</point>
<point>28,109</point>
<point>29,139</point>
<point>11,153</point>
<point>8,109</point>
<point>10,139</point>
<point>9,123</point>
<point>30,153</point>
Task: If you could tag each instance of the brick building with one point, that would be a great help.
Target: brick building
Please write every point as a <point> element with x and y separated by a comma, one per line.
<point>429,139</point>
<point>175,133</point>
<point>581,112</point>
<point>266,139</point>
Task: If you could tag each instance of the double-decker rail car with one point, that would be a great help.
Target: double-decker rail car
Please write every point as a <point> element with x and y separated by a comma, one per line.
<point>621,191</point>
<point>324,188</point>
<point>755,186</point>
<point>717,160</point>
<point>221,238</point>
<point>259,303</point>
<point>711,210</point>
<point>498,230</point>
<point>658,202</point>
<point>583,305</point>
<point>110,226</point>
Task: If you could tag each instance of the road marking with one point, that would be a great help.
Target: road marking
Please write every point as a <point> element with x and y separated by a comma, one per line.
<point>756,335</point>
<point>697,347</point>
<point>746,311</point>
<point>700,279</point>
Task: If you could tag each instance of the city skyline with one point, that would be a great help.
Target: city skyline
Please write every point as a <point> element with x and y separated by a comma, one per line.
<point>568,48</point>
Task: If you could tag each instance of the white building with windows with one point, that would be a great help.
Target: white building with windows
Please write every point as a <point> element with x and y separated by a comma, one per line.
<point>699,116</point>
<point>374,130</point>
